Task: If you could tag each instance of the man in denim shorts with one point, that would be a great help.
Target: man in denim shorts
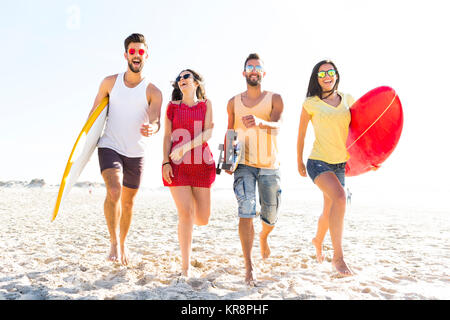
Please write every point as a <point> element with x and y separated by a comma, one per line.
<point>255,115</point>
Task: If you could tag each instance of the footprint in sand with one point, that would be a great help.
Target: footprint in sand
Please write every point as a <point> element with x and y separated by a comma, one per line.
<point>390,279</point>
<point>145,279</point>
<point>50,260</point>
<point>366,290</point>
<point>388,290</point>
<point>197,264</point>
<point>196,283</point>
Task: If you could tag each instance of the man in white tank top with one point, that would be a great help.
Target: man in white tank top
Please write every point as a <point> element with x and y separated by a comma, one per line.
<point>256,115</point>
<point>133,102</point>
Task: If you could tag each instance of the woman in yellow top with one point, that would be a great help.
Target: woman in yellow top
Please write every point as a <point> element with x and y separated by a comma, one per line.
<point>328,110</point>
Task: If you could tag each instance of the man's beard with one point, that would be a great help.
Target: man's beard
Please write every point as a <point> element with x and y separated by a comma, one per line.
<point>133,69</point>
<point>253,83</point>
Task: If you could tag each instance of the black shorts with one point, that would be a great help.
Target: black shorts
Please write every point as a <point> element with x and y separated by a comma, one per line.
<point>132,168</point>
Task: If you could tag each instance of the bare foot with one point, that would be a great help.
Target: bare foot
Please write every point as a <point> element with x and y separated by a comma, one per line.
<point>124,254</point>
<point>264,245</point>
<point>318,246</point>
<point>185,273</point>
<point>250,278</point>
<point>114,253</point>
<point>341,267</point>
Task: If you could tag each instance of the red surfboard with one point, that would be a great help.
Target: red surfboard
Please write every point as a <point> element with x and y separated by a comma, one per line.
<point>375,129</point>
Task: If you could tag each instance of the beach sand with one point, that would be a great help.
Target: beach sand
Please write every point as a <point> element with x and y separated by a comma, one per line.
<point>397,252</point>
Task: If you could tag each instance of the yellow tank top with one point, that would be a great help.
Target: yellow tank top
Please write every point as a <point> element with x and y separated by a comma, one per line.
<point>260,148</point>
<point>330,128</point>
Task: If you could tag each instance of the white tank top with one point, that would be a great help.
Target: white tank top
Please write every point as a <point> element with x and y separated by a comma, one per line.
<point>127,112</point>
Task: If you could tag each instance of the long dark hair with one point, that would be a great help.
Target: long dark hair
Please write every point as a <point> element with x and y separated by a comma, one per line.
<point>200,93</point>
<point>314,88</point>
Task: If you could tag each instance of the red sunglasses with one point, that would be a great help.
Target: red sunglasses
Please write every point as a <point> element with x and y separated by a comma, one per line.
<point>133,51</point>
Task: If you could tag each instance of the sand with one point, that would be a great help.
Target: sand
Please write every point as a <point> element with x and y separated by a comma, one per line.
<point>397,251</point>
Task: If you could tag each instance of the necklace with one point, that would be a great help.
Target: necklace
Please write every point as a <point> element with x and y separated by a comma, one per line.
<point>335,100</point>
<point>329,97</point>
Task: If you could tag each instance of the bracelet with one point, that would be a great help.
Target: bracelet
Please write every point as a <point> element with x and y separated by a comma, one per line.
<point>165,163</point>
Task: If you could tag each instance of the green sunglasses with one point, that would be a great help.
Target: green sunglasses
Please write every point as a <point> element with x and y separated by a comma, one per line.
<point>322,74</point>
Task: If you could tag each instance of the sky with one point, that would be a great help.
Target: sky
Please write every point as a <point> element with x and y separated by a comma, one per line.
<point>56,53</point>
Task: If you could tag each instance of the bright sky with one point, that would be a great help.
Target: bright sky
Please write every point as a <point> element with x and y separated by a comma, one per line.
<point>55,54</point>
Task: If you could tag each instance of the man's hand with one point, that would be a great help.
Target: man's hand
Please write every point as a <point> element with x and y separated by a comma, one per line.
<point>148,129</point>
<point>251,121</point>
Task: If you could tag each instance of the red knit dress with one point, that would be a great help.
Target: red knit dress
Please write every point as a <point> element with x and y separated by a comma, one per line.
<point>197,167</point>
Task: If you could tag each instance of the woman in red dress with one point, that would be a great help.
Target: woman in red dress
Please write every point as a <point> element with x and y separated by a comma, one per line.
<point>188,167</point>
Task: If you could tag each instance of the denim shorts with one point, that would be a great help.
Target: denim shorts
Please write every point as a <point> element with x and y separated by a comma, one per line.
<point>316,167</point>
<point>269,191</point>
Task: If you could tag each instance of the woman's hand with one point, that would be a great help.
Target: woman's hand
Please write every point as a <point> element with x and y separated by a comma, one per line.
<point>167,173</point>
<point>302,169</point>
<point>177,154</point>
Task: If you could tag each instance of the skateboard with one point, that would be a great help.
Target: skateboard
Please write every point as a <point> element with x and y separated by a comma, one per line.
<point>230,153</point>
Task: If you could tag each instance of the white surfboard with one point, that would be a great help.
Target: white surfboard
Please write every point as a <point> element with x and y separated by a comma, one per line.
<point>82,151</point>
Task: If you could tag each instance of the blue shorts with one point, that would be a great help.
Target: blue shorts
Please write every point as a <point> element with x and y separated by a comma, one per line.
<point>269,190</point>
<point>316,167</point>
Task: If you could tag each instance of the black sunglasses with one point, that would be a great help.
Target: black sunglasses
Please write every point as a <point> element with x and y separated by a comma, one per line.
<point>186,76</point>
